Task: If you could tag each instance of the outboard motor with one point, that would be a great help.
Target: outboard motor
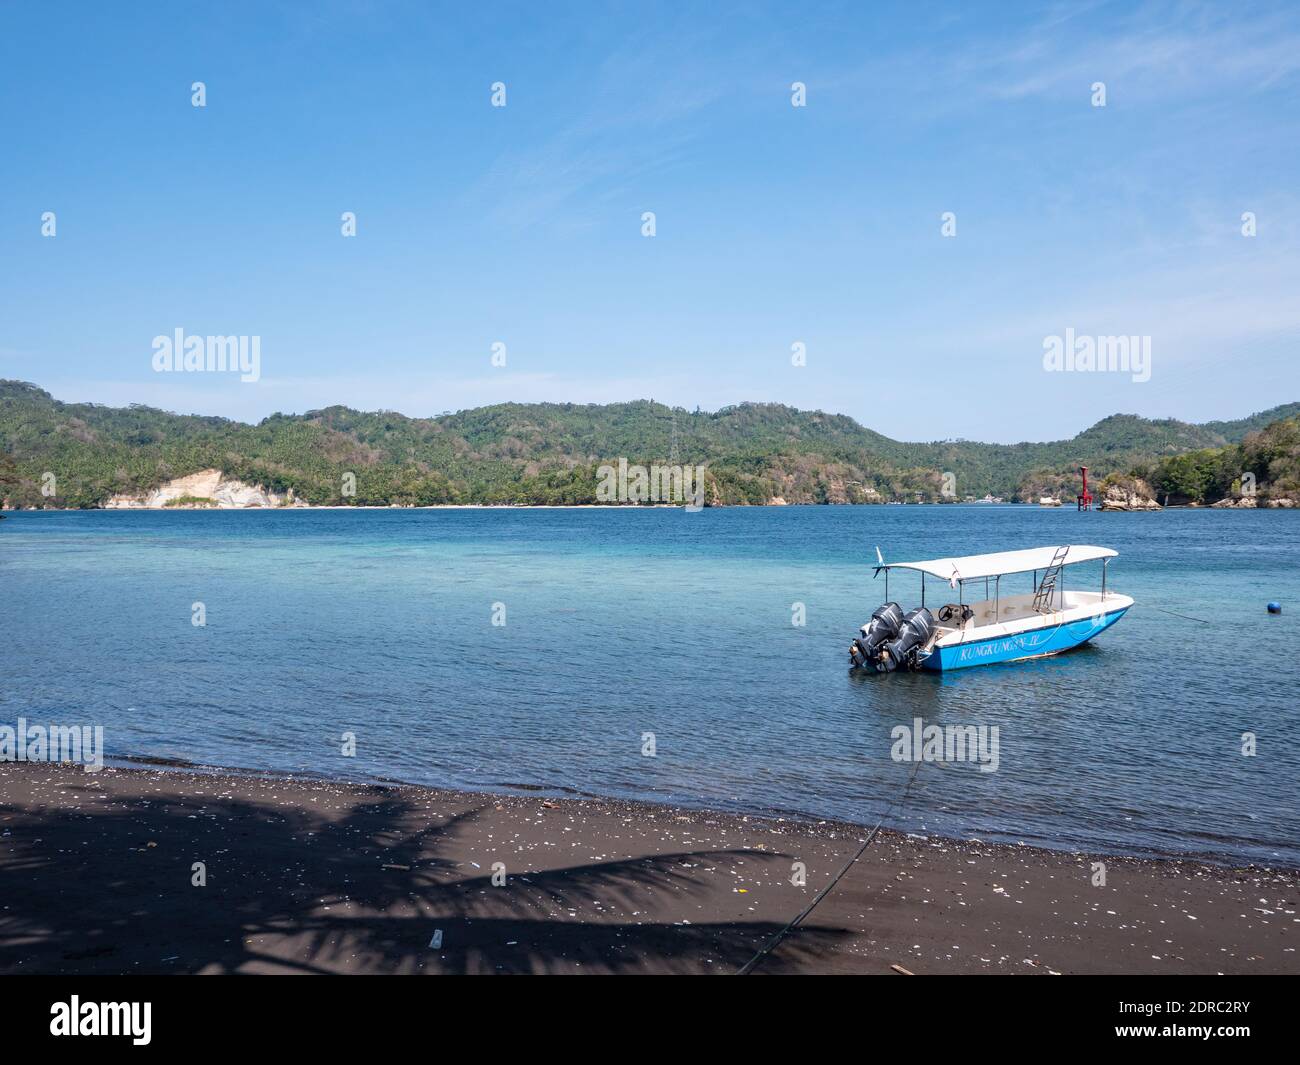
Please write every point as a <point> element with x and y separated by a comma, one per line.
<point>883,626</point>
<point>913,635</point>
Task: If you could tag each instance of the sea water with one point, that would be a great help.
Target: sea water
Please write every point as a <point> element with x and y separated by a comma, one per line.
<point>660,654</point>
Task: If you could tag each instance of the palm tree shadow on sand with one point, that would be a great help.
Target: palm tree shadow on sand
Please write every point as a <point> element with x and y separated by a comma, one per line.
<point>106,888</point>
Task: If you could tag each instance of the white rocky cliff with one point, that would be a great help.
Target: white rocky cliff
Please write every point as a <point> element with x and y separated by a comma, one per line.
<point>207,488</point>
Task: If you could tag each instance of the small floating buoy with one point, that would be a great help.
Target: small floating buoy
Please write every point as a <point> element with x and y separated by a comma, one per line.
<point>1275,607</point>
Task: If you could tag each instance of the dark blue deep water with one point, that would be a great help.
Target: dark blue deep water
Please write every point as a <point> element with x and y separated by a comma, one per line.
<point>622,622</point>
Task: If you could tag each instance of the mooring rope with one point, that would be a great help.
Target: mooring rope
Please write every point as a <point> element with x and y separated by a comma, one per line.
<point>766,949</point>
<point>1174,613</point>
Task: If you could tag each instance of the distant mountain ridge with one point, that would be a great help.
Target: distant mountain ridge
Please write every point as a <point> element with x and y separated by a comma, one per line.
<point>550,453</point>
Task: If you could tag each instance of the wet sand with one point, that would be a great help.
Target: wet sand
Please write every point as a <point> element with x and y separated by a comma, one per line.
<point>97,875</point>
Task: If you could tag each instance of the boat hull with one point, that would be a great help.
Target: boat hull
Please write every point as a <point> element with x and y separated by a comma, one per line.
<point>1035,643</point>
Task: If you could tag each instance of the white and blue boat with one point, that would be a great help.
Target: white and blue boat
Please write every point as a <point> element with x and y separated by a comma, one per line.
<point>1005,625</point>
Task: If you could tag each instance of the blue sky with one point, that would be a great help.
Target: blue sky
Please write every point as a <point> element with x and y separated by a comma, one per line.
<point>775,224</point>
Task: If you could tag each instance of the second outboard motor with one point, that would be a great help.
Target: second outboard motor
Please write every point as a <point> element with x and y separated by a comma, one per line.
<point>914,634</point>
<point>883,626</point>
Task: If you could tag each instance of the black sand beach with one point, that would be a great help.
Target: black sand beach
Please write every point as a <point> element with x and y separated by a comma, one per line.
<point>97,876</point>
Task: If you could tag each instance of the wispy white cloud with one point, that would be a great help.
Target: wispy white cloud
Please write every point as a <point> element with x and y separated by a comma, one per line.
<point>630,121</point>
<point>1155,53</point>
<point>1159,52</point>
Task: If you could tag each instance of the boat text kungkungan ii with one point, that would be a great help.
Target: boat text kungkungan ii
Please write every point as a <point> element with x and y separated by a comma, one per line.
<point>998,628</point>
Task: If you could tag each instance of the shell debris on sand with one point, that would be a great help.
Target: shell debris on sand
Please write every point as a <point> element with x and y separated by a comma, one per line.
<point>328,875</point>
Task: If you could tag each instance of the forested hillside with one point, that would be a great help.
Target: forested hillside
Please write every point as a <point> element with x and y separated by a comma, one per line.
<point>549,453</point>
<point>1271,457</point>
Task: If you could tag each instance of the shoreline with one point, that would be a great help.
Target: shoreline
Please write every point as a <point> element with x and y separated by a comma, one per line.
<point>788,816</point>
<point>310,875</point>
<point>500,506</point>
<point>600,506</point>
<point>1285,506</point>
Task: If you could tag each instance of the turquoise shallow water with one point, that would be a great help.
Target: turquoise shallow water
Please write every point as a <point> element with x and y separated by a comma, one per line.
<point>623,622</point>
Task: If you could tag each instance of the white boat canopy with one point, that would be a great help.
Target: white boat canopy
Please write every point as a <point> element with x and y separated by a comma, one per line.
<point>972,567</point>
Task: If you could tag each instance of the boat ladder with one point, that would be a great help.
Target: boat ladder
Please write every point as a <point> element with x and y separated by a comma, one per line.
<point>1047,588</point>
